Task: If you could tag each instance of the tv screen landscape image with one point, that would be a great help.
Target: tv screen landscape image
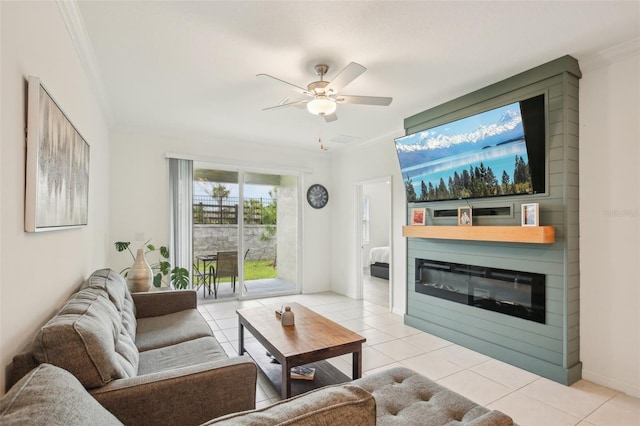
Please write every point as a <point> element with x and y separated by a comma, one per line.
<point>494,153</point>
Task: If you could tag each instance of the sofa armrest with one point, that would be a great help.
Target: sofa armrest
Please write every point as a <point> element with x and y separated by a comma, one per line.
<point>21,365</point>
<point>153,304</point>
<point>183,396</point>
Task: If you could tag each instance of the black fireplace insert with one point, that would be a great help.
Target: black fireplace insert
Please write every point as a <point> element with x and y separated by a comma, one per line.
<point>516,293</point>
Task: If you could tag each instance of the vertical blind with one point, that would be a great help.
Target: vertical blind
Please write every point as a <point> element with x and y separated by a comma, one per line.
<point>181,217</point>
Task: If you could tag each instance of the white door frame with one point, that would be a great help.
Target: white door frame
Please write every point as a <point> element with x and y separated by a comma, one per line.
<point>359,194</point>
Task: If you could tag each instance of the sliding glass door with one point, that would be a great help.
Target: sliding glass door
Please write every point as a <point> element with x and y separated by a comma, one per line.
<point>249,220</point>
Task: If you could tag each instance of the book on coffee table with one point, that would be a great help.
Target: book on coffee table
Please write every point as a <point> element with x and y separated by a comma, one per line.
<point>303,373</point>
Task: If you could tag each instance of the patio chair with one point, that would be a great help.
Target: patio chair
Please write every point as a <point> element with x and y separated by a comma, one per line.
<point>226,266</point>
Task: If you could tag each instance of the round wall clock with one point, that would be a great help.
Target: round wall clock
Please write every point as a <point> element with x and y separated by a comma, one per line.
<point>317,196</point>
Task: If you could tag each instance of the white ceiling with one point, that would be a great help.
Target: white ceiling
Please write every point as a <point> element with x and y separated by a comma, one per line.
<point>189,67</point>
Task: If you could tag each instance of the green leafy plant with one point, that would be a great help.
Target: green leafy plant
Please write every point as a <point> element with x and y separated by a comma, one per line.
<point>178,277</point>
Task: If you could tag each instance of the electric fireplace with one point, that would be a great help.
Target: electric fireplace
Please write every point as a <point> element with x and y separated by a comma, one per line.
<point>516,293</point>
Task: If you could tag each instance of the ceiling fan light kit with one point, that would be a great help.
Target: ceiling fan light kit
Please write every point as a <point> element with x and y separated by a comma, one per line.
<point>321,105</point>
<point>324,95</point>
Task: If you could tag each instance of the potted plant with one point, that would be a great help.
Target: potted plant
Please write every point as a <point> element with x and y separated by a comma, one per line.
<point>178,277</point>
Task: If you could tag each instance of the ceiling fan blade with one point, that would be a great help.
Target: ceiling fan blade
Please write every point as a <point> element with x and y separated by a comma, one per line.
<point>330,117</point>
<point>346,76</point>
<point>364,100</point>
<point>293,86</point>
<point>286,104</point>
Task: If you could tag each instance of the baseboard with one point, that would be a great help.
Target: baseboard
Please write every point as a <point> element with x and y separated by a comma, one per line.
<point>557,373</point>
<point>398,311</point>
<point>609,382</point>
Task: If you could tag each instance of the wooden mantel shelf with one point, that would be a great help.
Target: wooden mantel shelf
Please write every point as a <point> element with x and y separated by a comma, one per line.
<point>509,234</point>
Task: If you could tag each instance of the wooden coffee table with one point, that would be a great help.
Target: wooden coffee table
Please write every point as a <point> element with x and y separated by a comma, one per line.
<point>312,339</point>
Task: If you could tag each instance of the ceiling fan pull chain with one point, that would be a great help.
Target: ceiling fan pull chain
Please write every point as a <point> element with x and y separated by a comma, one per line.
<point>320,120</point>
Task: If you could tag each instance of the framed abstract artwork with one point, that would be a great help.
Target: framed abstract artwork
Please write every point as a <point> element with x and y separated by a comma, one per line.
<point>57,166</point>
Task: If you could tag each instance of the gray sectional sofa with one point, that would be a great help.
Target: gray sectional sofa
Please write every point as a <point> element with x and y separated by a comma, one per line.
<point>149,358</point>
<point>109,357</point>
<point>51,396</point>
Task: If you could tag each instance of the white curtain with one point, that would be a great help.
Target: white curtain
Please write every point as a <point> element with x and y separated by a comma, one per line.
<point>181,216</point>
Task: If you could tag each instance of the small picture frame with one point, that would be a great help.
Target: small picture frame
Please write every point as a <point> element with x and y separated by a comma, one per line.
<point>418,216</point>
<point>465,216</point>
<point>530,214</point>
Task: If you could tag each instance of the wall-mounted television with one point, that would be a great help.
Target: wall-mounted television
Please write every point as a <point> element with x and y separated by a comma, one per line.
<point>498,152</point>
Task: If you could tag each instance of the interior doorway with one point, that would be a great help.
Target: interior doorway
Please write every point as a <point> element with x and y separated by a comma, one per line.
<point>375,248</point>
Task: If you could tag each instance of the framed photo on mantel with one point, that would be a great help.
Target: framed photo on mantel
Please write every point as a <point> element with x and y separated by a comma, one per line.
<point>465,216</point>
<point>530,214</point>
<point>418,216</point>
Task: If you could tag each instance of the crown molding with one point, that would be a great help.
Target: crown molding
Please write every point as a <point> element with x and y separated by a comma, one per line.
<point>75,26</point>
<point>611,55</point>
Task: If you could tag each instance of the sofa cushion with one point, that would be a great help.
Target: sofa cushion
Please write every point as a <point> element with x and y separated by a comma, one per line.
<point>115,288</point>
<point>333,405</point>
<point>171,329</point>
<point>405,397</point>
<point>51,396</point>
<point>192,352</point>
<point>86,337</point>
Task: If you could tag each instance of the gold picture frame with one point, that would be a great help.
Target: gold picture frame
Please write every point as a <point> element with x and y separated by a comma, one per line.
<point>418,216</point>
<point>465,216</point>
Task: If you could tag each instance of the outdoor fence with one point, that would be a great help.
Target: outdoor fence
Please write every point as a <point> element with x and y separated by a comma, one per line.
<point>224,211</point>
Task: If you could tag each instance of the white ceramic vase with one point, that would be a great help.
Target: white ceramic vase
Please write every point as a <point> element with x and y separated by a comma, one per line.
<point>287,316</point>
<point>140,275</point>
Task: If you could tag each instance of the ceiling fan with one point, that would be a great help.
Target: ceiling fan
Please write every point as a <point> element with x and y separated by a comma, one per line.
<point>323,96</point>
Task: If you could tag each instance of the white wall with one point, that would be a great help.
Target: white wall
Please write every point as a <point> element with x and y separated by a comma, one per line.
<point>38,271</point>
<point>351,166</point>
<point>610,223</point>
<point>139,179</point>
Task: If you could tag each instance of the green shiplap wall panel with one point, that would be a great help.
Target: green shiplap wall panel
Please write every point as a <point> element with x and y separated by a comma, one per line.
<point>450,313</point>
<point>492,326</point>
<point>524,361</point>
<point>498,257</point>
<point>550,349</point>
<point>513,84</point>
<point>516,344</point>
<point>554,294</point>
<point>573,320</point>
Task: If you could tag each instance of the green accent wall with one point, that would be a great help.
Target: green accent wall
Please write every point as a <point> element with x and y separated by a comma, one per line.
<point>552,349</point>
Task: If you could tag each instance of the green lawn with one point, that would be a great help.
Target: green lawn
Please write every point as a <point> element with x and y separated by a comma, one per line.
<point>256,270</point>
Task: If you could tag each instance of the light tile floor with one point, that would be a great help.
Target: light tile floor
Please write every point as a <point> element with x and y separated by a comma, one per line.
<point>528,398</point>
